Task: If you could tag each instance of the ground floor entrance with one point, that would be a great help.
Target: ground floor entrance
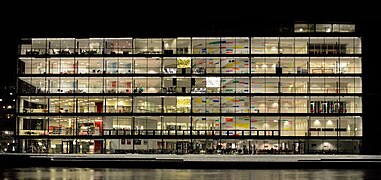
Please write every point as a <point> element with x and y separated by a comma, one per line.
<point>67,147</point>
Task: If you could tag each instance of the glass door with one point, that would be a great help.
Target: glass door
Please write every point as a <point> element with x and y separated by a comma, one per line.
<point>67,147</point>
<point>299,148</point>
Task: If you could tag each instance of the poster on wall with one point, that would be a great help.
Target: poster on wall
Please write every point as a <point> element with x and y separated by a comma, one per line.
<point>213,81</point>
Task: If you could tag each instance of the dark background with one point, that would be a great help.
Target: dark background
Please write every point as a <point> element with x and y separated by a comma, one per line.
<point>197,19</point>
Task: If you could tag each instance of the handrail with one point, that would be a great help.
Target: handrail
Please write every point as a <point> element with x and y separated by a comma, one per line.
<point>154,132</point>
<point>167,132</point>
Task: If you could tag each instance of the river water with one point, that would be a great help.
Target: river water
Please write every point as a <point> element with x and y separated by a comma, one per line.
<point>196,174</point>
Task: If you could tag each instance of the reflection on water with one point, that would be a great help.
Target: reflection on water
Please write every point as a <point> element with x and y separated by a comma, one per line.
<point>153,174</point>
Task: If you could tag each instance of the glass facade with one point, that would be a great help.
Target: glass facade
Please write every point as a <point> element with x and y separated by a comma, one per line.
<point>227,95</point>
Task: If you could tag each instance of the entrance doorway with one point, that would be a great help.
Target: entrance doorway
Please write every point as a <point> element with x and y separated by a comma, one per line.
<point>181,147</point>
<point>67,147</point>
<point>299,148</point>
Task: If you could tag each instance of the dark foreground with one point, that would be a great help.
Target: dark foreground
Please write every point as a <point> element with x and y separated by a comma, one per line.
<point>191,161</point>
<point>199,174</point>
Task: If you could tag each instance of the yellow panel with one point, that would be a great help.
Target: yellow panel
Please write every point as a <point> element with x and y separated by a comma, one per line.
<point>183,62</point>
<point>244,126</point>
<point>183,102</point>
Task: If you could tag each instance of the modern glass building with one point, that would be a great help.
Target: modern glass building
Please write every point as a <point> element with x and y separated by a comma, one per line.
<point>292,93</point>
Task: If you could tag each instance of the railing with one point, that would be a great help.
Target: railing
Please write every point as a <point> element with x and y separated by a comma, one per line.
<point>118,132</point>
<point>123,132</point>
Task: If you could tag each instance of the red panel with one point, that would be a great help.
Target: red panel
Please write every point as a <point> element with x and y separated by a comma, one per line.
<point>75,67</point>
<point>99,106</point>
<point>229,119</point>
<point>97,146</point>
<point>98,123</point>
